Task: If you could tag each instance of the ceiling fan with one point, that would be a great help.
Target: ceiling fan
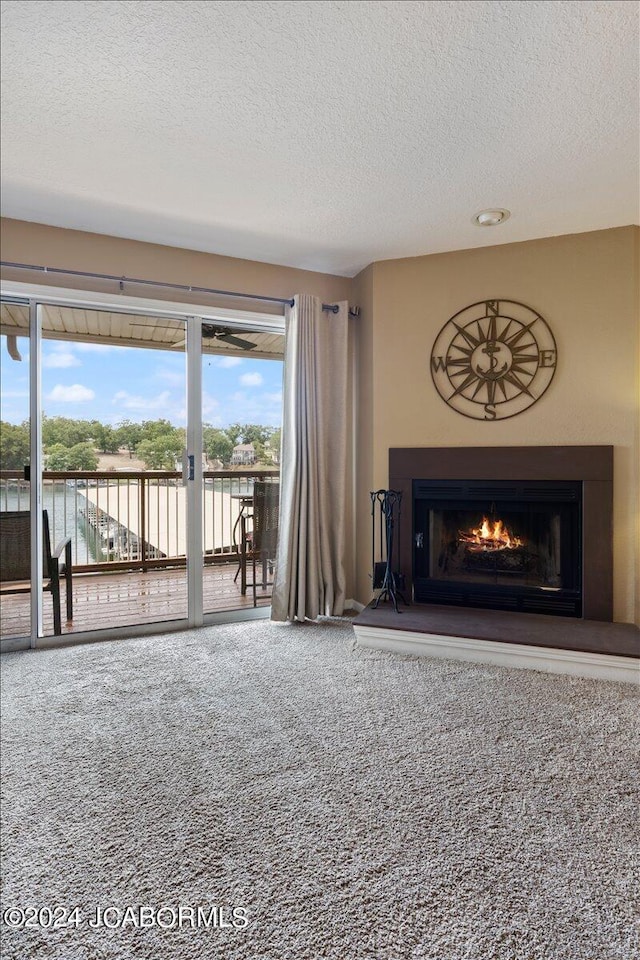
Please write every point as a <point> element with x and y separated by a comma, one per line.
<point>211,332</point>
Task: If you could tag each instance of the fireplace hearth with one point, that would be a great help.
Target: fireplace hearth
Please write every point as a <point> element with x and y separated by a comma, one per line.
<point>524,529</point>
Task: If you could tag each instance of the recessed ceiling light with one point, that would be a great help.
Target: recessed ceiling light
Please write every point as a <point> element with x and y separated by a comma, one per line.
<point>490,218</point>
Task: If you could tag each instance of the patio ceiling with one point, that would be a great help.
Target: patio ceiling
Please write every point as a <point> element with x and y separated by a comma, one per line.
<point>132,330</point>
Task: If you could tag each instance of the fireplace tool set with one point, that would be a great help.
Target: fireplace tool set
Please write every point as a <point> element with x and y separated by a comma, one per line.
<point>385,515</point>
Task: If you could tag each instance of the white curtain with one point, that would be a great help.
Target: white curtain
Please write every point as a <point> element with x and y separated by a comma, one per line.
<point>310,579</point>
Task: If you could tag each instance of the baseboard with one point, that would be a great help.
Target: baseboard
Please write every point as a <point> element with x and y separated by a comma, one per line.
<point>598,666</point>
<point>13,644</point>
<point>354,605</point>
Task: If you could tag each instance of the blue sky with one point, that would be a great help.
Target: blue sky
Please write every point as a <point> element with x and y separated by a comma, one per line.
<point>108,383</point>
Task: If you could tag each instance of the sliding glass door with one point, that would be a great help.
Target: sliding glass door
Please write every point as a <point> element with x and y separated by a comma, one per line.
<point>113,432</point>
<point>241,412</point>
<point>148,431</point>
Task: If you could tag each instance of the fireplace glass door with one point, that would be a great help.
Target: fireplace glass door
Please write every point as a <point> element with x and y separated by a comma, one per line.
<point>506,546</point>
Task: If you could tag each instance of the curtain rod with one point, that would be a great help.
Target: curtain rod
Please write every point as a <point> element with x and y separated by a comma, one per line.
<point>330,307</point>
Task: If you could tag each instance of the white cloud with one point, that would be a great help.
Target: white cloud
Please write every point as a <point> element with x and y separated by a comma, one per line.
<point>175,378</point>
<point>60,359</point>
<point>209,404</point>
<point>251,379</point>
<point>225,362</point>
<point>132,402</point>
<point>164,405</point>
<point>240,407</point>
<point>76,393</point>
<point>215,421</point>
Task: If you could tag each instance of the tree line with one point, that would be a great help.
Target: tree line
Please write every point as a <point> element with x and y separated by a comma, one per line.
<point>75,444</point>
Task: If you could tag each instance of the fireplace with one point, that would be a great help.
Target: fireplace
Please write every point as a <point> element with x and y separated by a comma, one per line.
<point>502,544</point>
<point>510,528</point>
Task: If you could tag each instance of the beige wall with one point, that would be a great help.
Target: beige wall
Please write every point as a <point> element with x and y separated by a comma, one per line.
<point>586,287</point>
<point>38,244</point>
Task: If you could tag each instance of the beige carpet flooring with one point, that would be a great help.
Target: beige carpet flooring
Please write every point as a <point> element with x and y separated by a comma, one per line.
<point>346,803</point>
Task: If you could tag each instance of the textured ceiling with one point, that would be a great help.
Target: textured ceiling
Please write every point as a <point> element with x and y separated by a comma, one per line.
<point>322,135</point>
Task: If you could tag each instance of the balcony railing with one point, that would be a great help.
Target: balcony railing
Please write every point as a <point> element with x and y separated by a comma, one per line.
<point>134,519</point>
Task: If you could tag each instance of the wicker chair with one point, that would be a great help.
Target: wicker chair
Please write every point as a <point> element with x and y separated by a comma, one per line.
<point>15,561</point>
<point>264,535</point>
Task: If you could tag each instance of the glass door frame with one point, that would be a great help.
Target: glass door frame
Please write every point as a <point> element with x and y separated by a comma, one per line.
<point>194,316</point>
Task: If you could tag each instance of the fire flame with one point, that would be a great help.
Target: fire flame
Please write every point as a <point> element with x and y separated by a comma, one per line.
<point>491,535</point>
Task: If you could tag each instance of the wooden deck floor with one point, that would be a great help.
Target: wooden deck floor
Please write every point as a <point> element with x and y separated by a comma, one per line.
<point>102,600</point>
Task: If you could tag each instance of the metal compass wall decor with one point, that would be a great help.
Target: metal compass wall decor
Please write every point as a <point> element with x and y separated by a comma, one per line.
<point>493,359</point>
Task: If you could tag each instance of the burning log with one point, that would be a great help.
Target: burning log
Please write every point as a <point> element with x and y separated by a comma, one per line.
<point>512,560</point>
<point>489,537</point>
<point>492,546</point>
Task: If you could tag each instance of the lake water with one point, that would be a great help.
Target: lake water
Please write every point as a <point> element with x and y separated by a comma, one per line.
<point>63,505</point>
<point>66,506</point>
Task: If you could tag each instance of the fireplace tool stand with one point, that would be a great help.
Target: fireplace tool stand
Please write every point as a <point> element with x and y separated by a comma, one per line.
<point>385,514</point>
